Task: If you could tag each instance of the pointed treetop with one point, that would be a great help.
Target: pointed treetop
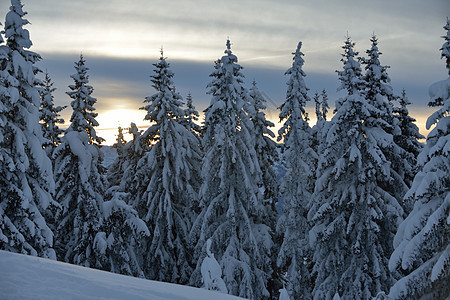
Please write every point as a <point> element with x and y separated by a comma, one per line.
<point>350,76</point>
<point>162,53</point>
<point>228,44</point>
<point>403,99</point>
<point>299,46</point>
<point>298,60</point>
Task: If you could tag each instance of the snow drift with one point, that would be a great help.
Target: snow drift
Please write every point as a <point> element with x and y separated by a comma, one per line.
<point>29,277</point>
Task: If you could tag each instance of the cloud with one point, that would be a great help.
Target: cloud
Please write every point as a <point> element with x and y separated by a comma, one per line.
<point>196,30</point>
<point>121,39</point>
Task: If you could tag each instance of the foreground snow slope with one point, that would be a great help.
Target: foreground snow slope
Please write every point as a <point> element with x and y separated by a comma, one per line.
<point>28,277</point>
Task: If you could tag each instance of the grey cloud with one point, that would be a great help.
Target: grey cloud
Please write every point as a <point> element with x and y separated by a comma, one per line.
<point>129,80</point>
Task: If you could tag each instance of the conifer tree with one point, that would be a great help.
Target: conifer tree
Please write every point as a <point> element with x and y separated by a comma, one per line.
<point>324,104</point>
<point>422,242</point>
<point>120,141</point>
<point>379,93</point>
<point>26,180</point>
<point>122,173</point>
<point>265,146</point>
<point>123,234</point>
<point>298,182</point>
<point>49,116</point>
<point>170,172</point>
<point>316,99</point>
<point>408,140</point>
<point>349,232</point>
<point>267,155</point>
<point>319,130</point>
<point>79,178</point>
<point>232,213</point>
<point>316,131</point>
<point>192,116</point>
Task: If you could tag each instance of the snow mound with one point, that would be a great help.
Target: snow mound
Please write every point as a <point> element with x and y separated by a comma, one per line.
<point>28,277</point>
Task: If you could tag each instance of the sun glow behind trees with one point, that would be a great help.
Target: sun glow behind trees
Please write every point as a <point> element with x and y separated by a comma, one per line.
<point>110,120</point>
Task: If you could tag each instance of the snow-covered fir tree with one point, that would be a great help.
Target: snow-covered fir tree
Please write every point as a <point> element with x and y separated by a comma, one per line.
<point>379,93</point>
<point>120,141</point>
<point>123,234</point>
<point>298,183</point>
<point>320,128</point>
<point>49,116</point>
<point>170,173</point>
<point>422,242</point>
<point>350,232</point>
<point>317,131</point>
<point>316,99</point>
<point>408,140</point>
<point>324,104</point>
<point>192,116</point>
<point>232,212</point>
<point>79,178</point>
<point>122,173</point>
<point>26,179</point>
<point>267,155</point>
<point>265,146</point>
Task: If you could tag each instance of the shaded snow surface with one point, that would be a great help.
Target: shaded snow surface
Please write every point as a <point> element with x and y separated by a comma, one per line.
<point>28,277</point>
<point>109,155</point>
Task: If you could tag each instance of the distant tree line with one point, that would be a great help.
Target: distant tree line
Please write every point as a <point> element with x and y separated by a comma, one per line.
<point>364,205</point>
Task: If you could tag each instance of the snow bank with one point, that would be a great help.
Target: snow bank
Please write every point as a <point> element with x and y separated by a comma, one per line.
<point>28,277</point>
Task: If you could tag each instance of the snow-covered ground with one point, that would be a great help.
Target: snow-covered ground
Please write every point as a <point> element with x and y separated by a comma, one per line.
<point>28,277</point>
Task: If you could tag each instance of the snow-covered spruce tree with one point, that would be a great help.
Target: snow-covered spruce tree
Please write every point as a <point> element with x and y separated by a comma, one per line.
<point>232,214</point>
<point>408,140</point>
<point>316,99</point>
<point>298,182</point>
<point>49,116</point>
<point>124,233</point>
<point>317,131</point>
<point>324,104</point>
<point>170,171</point>
<point>379,93</point>
<point>26,179</point>
<point>266,148</point>
<point>267,155</point>
<point>422,242</point>
<point>120,141</point>
<point>192,116</point>
<point>122,173</point>
<point>79,178</point>
<point>349,233</point>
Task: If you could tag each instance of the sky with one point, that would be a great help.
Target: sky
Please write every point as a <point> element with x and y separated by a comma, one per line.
<point>121,39</point>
